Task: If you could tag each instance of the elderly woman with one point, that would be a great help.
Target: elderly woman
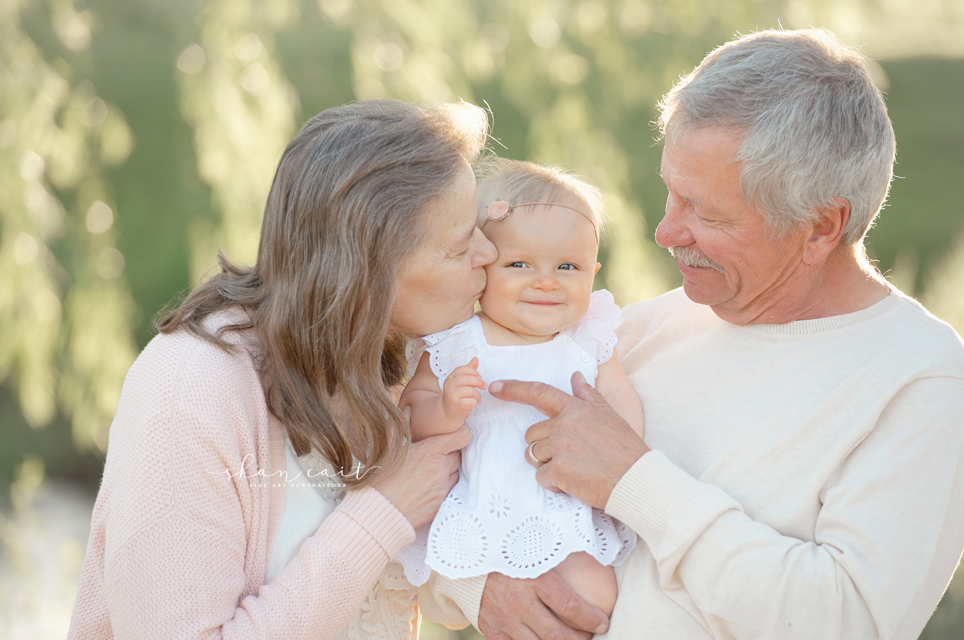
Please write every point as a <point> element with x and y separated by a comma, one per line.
<point>802,471</point>
<point>286,367</point>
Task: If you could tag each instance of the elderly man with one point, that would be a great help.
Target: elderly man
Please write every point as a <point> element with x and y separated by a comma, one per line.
<point>802,471</point>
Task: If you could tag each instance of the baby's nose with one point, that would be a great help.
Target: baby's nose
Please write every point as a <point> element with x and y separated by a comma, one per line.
<point>546,282</point>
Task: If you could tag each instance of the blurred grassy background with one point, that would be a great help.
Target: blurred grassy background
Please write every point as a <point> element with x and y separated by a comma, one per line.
<point>138,135</point>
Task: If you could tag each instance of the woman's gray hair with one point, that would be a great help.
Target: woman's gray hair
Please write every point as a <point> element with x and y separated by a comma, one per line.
<point>813,125</point>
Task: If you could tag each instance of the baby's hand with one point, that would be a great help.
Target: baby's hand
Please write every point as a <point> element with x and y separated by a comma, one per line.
<point>460,392</point>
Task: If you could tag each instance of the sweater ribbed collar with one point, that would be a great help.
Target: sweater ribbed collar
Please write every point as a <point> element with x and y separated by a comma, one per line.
<point>812,328</point>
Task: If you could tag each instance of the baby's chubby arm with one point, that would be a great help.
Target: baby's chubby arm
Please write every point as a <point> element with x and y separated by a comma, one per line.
<point>434,410</point>
<point>612,383</point>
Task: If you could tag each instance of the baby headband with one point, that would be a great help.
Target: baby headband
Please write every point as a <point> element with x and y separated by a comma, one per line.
<point>499,209</point>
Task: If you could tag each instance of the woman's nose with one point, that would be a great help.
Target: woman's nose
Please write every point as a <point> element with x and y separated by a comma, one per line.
<point>485,253</point>
<point>672,230</point>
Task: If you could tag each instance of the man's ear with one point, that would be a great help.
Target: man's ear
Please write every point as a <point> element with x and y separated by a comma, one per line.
<point>596,270</point>
<point>826,230</point>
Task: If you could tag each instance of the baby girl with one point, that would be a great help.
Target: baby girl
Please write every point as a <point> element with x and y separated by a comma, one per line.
<point>539,321</point>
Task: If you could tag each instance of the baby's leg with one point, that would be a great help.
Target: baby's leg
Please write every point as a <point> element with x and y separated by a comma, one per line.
<point>596,583</point>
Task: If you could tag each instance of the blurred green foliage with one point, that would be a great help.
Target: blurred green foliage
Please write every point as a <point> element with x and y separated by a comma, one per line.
<point>64,307</point>
<point>136,136</point>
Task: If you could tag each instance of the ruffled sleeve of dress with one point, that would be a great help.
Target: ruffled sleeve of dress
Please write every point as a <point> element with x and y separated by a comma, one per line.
<point>596,331</point>
<point>447,349</point>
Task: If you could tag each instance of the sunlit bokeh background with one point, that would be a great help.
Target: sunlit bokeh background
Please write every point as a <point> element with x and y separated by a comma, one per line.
<point>136,136</point>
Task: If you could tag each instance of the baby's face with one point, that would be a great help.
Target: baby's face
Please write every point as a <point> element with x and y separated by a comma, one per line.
<point>541,281</point>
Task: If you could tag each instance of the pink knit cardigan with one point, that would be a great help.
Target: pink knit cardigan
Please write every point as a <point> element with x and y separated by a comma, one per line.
<point>180,536</point>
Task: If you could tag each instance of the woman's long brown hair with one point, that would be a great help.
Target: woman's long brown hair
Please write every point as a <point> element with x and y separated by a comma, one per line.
<point>351,200</point>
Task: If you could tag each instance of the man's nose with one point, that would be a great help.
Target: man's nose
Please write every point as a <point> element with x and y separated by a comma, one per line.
<point>672,230</point>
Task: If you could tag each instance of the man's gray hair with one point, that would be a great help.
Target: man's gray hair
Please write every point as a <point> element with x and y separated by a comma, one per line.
<point>813,125</point>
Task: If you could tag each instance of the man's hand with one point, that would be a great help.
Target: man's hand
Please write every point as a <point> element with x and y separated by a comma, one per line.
<point>523,610</point>
<point>584,448</point>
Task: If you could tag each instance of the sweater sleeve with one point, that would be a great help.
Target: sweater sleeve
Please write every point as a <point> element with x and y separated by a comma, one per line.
<point>180,580</point>
<point>888,536</point>
<point>453,602</point>
<point>185,541</point>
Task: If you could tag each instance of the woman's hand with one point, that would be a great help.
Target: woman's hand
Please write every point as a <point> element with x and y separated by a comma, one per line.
<point>430,470</point>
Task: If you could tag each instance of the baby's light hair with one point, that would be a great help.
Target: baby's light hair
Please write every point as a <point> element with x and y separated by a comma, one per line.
<point>518,181</point>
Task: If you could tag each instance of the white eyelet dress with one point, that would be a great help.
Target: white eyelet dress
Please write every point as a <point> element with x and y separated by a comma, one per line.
<point>498,517</point>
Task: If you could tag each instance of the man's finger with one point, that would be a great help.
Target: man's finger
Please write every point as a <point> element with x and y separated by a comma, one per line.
<point>513,608</point>
<point>585,391</point>
<point>544,624</point>
<point>543,397</point>
<point>538,431</point>
<point>568,605</point>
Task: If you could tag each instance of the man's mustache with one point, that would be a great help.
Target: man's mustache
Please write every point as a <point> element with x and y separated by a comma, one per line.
<point>694,258</point>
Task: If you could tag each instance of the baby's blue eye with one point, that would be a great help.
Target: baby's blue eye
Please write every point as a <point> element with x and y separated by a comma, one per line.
<point>517,265</point>
<point>567,266</point>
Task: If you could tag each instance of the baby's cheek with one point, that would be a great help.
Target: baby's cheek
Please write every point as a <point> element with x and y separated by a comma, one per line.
<point>584,297</point>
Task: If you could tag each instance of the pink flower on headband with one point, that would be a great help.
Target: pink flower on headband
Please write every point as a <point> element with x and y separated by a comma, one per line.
<point>498,210</point>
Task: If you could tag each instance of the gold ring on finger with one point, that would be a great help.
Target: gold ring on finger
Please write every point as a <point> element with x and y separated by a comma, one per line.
<point>531,452</point>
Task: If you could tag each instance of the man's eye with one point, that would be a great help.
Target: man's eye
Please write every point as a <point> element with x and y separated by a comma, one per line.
<point>704,219</point>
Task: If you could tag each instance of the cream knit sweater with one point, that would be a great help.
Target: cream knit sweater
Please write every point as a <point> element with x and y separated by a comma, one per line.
<point>806,480</point>
<point>181,535</point>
